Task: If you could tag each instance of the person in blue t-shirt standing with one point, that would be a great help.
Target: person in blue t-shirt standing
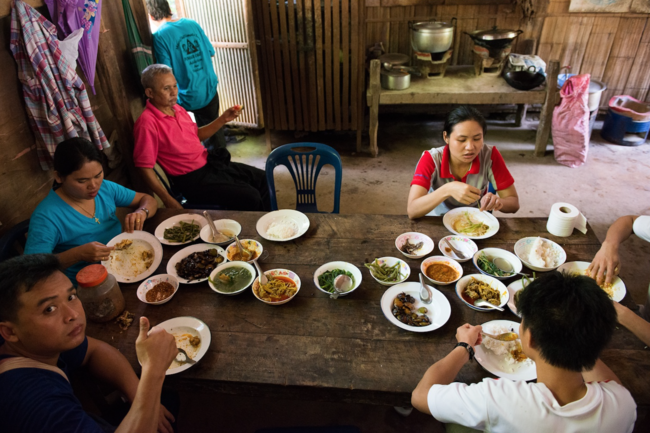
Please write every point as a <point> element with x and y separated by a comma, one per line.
<point>183,45</point>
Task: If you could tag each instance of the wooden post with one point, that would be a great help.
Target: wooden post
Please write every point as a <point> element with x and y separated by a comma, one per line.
<point>373,102</point>
<point>520,117</point>
<point>546,116</point>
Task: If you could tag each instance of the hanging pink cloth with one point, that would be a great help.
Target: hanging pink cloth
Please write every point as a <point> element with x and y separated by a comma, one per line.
<point>56,98</point>
<point>70,15</point>
<point>570,127</point>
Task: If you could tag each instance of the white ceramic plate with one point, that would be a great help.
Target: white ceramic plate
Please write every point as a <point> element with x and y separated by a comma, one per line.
<point>145,238</point>
<point>493,253</point>
<point>579,268</point>
<point>227,265</point>
<point>439,310</point>
<point>450,218</point>
<point>298,218</point>
<point>229,225</point>
<point>462,243</point>
<point>414,238</point>
<point>171,264</point>
<point>522,249</point>
<point>513,288</point>
<point>356,273</point>
<point>171,222</point>
<point>496,364</point>
<point>190,325</point>
<point>493,282</point>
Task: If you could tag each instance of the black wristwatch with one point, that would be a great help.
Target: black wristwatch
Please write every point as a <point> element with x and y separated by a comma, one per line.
<point>467,347</point>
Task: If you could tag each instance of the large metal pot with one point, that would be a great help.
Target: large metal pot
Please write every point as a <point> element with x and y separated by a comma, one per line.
<point>395,79</point>
<point>494,38</point>
<point>432,36</point>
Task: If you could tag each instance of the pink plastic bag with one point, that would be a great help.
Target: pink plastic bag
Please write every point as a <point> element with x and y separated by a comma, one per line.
<point>570,127</point>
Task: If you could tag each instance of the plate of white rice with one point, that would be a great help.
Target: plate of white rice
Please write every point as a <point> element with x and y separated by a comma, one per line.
<point>496,356</point>
<point>282,225</point>
<point>540,254</point>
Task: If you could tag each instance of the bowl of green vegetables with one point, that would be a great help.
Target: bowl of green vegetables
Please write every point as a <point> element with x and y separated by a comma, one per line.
<point>325,275</point>
<point>484,262</point>
<point>389,270</point>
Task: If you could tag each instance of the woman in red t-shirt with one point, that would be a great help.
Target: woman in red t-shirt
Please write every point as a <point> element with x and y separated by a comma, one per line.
<point>461,173</point>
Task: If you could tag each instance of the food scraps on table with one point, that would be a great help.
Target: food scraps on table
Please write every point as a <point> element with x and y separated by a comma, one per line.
<point>405,312</point>
<point>477,289</point>
<point>125,320</point>
<point>465,225</point>
<point>410,248</point>
<point>231,279</point>
<point>279,288</point>
<point>385,273</point>
<point>441,272</point>
<point>326,279</point>
<point>199,265</point>
<point>183,232</point>
<point>160,292</point>
<point>485,263</point>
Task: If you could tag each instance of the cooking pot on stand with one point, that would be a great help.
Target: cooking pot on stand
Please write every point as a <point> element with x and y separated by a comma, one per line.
<point>396,77</point>
<point>525,80</point>
<point>494,38</point>
<point>432,36</point>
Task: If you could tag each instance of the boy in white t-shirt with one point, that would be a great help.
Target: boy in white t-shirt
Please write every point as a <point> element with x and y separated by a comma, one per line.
<point>566,323</point>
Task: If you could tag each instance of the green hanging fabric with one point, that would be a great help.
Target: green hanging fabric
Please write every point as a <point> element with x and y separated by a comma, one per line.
<point>142,54</point>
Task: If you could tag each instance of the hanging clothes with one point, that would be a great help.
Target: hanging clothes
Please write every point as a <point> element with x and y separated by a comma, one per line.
<point>142,54</point>
<point>71,15</point>
<point>55,96</point>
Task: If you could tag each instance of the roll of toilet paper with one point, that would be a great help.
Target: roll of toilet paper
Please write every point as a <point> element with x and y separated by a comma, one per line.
<point>564,217</point>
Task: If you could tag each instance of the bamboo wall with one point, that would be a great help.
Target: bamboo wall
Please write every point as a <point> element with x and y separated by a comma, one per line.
<point>612,47</point>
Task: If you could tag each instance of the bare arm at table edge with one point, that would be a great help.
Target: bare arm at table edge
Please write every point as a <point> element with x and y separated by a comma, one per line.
<point>606,263</point>
<point>211,128</point>
<point>152,182</point>
<point>421,202</point>
<point>445,371</point>
<point>600,373</point>
<point>510,199</point>
<point>156,351</point>
<point>635,324</point>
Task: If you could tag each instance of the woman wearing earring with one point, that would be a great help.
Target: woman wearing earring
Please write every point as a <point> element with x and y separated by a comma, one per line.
<point>461,172</point>
<point>77,218</point>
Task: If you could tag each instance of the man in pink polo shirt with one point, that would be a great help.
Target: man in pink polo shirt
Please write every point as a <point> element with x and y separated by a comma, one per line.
<point>166,134</point>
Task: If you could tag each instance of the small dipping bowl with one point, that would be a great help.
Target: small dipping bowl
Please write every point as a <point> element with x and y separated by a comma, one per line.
<point>250,244</point>
<point>231,226</point>
<point>415,238</point>
<point>461,243</point>
<point>274,273</point>
<point>149,284</point>
<point>227,265</point>
<point>446,261</point>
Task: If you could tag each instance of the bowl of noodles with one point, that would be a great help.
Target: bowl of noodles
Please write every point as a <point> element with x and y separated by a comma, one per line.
<point>475,286</point>
<point>282,287</point>
<point>471,222</point>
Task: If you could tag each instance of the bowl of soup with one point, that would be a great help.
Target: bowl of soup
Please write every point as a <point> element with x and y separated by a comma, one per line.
<point>232,278</point>
<point>233,254</point>
<point>283,286</point>
<point>441,270</point>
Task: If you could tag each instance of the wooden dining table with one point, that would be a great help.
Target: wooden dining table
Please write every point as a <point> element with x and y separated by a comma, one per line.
<point>322,349</point>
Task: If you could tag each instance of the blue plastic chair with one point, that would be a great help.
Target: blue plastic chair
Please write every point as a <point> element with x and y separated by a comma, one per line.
<point>304,161</point>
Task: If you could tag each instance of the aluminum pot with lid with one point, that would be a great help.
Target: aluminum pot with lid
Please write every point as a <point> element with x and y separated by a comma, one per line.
<point>494,38</point>
<point>432,36</point>
<point>395,79</point>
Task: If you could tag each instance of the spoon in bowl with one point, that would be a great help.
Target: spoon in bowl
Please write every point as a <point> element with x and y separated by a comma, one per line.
<point>483,303</point>
<point>217,236</point>
<point>342,284</point>
<point>263,278</point>
<point>505,266</point>
<point>425,292</point>
<point>456,251</point>
<point>245,254</point>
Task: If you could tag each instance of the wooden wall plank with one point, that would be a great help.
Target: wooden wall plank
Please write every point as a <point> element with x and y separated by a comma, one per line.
<point>639,80</point>
<point>345,59</point>
<point>396,13</point>
<point>286,64</point>
<point>336,33</point>
<point>577,38</point>
<point>295,68</point>
<point>320,85</point>
<point>355,60</point>
<point>327,25</point>
<point>277,55</point>
<point>274,105</point>
<point>599,46</point>
<point>551,44</point>
<point>311,65</point>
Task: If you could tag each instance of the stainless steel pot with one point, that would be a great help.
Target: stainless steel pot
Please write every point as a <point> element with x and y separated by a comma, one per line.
<point>395,79</point>
<point>432,36</point>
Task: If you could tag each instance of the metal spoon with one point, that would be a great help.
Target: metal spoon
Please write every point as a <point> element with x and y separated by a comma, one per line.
<point>245,254</point>
<point>342,284</point>
<point>505,266</point>
<point>506,336</point>
<point>187,359</point>
<point>263,279</point>
<point>456,251</point>
<point>483,303</point>
<point>217,236</point>
<point>425,292</point>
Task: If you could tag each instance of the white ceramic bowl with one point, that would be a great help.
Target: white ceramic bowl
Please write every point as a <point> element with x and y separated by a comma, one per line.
<point>249,244</point>
<point>278,272</point>
<point>462,243</point>
<point>522,249</point>
<point>149,283</point>
<point>493,282</point>
<point>356,273</point>
<point>227,265</point>
<point>229,225</point>
<point>491,254</point>
<point>414,238</point>
<point>391,261</point>
<point>445,260</point>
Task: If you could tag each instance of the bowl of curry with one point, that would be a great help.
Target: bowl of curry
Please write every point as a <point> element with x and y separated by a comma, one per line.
<point>441,270</point>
